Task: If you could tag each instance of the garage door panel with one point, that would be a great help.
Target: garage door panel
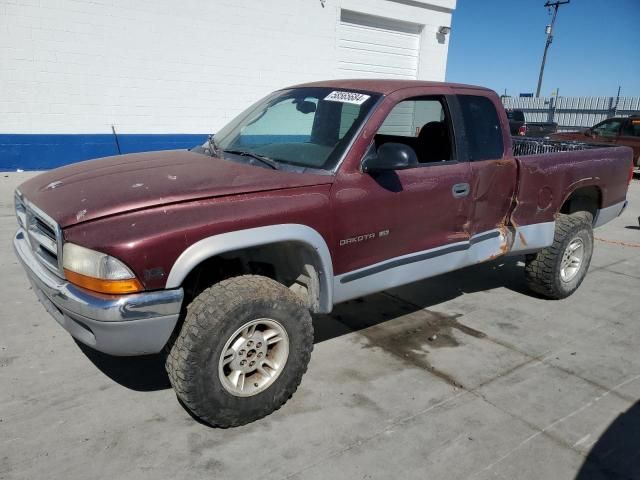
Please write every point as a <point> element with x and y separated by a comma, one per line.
<point>376,47</point>
<point>381,23</point>
<point>380,59</point>
<point>369,71</point>
<point>396,40</point>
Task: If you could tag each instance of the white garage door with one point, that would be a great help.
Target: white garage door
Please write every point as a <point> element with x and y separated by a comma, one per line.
<point>376,47</point>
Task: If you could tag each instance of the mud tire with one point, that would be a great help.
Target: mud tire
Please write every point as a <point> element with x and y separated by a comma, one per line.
<point>543,269</point>
<point>211,320</point>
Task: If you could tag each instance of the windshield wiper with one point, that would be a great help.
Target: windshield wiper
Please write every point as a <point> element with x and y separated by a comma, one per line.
<point>266,160</point>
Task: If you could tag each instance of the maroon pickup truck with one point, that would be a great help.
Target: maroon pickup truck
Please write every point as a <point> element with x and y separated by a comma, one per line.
<point>315,195</point>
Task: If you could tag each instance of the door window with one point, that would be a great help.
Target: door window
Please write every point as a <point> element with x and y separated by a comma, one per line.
<point>608,128</point>
<point>631,128</point>
<point>422,124</point>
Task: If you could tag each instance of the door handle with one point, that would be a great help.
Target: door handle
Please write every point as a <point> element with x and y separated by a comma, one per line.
<point>460,190</point>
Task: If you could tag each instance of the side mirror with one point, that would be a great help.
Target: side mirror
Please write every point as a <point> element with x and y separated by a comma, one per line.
<point>390,156</point>
<point>306,107</point>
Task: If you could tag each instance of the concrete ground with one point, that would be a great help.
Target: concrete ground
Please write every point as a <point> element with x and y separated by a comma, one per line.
<point>465,375</point>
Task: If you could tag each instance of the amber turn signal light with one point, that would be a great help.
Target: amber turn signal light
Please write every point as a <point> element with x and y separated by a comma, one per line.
<point>112,287</point>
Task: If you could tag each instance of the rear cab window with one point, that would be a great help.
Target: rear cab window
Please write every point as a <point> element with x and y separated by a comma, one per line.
<point>482,128</point>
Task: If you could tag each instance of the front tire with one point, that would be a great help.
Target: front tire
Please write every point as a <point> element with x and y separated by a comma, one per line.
<point>242,350</point>
<point>557,271</point>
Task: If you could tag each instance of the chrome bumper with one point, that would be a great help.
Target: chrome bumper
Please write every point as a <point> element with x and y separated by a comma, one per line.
<point>134,324</point>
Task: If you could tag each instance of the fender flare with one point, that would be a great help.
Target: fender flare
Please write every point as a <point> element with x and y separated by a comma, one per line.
<point>252,237</point>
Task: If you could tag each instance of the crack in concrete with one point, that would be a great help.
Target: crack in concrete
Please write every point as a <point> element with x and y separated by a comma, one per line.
<point>544,431</point>
<point>635,277</point>
<point>375,435</point>
<point>603,267</point>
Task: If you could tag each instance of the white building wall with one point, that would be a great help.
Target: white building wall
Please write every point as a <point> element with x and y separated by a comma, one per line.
<point>167,66</point>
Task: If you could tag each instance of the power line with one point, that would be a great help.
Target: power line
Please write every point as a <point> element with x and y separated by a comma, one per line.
<point>555,6</point>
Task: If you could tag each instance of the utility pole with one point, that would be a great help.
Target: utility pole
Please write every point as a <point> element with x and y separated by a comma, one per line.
<point>549,30</point>
<point>615,108</point>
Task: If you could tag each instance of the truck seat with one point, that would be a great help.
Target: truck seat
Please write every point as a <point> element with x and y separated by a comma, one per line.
<point>433,143</point>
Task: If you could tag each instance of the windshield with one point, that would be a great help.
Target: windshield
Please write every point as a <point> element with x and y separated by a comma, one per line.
<point>306,127</point>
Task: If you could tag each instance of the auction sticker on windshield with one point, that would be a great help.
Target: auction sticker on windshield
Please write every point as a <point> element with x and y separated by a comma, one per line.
<point>347,97</point>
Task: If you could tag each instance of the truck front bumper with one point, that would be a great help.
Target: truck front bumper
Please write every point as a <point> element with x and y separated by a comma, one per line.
<point>135,324</point>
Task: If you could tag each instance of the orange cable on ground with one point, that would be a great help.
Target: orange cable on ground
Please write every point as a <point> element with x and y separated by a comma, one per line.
<point>618,242</point>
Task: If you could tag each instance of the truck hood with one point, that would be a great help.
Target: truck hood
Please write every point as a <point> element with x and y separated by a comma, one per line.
<point>97,188</point>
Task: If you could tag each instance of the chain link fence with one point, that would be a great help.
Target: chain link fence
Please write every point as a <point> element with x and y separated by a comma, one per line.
<point>571,113</point>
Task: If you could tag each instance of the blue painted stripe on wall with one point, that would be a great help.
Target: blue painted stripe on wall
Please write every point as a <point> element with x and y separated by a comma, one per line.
<point>45,151</point>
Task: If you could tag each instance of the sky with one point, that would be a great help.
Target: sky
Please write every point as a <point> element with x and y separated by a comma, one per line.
<point>499,44</point>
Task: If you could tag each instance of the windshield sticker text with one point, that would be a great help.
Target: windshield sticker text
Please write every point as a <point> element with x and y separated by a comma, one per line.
<point>347,97</point>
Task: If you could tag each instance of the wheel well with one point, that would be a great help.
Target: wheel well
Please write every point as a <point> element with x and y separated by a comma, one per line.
<point>293,264</point>
<point>585,199</point>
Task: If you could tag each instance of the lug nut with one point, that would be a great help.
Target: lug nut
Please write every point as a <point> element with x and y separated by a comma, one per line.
<point>241,352</point>
<point>251,364</point>
<point>243,362</point>
<point>258,345</point>
<point>259,354</point>
<point>250,343</point>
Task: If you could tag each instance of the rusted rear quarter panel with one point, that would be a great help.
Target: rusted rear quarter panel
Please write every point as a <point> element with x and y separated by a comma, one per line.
<point>545,181</point>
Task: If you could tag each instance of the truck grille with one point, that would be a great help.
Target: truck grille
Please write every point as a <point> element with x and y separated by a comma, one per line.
<point>43,234</point>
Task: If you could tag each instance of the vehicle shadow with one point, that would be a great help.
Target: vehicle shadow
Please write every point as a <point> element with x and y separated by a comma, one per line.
<point>354,315</point>
<point>147,373</point>
<point>616,454</point>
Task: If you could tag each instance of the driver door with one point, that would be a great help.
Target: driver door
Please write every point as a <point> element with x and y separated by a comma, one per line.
<point>382,219</point>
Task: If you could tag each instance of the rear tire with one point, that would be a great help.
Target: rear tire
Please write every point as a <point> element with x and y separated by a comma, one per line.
<point>242,350</point>
<point>557,271</point>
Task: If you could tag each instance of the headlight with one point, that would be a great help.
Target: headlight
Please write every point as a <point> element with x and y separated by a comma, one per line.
<point>97,271</point>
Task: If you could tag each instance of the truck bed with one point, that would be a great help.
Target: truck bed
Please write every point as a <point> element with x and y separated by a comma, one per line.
<point>550,170</point>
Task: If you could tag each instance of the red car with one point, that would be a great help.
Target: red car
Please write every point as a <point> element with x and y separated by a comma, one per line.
<point>616,131</point>
<point>315,195</point>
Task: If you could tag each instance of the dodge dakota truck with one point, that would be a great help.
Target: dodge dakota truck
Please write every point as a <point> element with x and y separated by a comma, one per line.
<point>317,194</point>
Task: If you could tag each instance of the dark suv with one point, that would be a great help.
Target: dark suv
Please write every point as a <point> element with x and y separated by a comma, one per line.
<point>520,127</point>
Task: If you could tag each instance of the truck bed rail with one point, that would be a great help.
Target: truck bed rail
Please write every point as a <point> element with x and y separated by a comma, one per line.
<point>534,146</point>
